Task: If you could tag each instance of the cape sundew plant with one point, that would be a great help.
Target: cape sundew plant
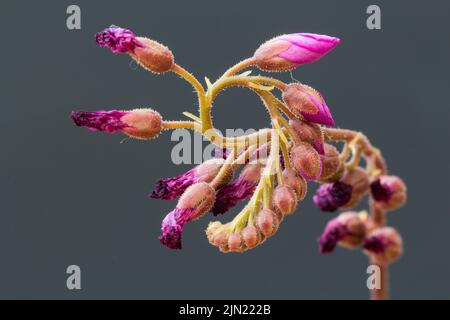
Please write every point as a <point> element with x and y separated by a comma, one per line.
<point>277,162</point>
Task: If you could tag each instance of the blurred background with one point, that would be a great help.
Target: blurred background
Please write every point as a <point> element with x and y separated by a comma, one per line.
<point>70,196</point>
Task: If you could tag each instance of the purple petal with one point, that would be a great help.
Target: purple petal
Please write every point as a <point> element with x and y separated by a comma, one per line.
<point>232,193</point>
<point>171,188</point>
<point>172,227</point>
<point>334,231</point>
<point>108,121</point>
<point>119,40</point>
<point>380,191</point>
<point>330,196</point>
<point>376,243</point>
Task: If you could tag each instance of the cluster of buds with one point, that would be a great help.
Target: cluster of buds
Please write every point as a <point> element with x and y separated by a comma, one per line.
<point>302,148</point>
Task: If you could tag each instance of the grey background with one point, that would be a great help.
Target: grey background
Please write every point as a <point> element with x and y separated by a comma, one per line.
<point>69,196</point>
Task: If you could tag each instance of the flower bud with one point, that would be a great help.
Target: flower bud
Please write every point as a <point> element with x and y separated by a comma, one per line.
<point>137,123</point>
<point>331,162</point>
<point>199,196</point>
<point>308,132</point>
<point>212,227</point>
<point>288,51</point>
<point>267,222</point>
<point>235,242</point>
<point>196,200</point>
<point>153,56</point>
<point>306,161</point>
<point>389,192</point>
<point>305,102</point>
<point>296,182</point>
<point>240,189</point>
<point>385,245</point>
<point>150,54</point>
<point>348,230</point>
<point>251,236</point>
<point>171,188</point>
<point>359,180</point>
<point>284,199</point>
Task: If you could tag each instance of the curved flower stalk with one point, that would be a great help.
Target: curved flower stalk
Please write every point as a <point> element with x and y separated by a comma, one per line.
<point>299,146</point>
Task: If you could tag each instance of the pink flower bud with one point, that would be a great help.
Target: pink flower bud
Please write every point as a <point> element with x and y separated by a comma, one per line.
<point>385,245</point>
<point>195,201</point>
<point>212,227</point>
<point>306,102</point>
<point>236,242</point>
<point>348,229</point>
<point>267,222</point>
<point>359,180</point>
<point>251,236</point>
<point>331,162</point>
<point>306,161</point>
<point>153,56</point>
<point>137,123</point>
<point>296,182</point>
<point>241,188</point>
<point>288,51</point>
<point>284,199</point>
<point>171,188</point>
<point>389,192</point>
<point>308,132</point>
<point>150,54</point>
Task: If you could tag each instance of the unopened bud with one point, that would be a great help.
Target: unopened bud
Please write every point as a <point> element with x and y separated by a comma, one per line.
<point>359,180</point>
<point>284,199</point>
<point>296,182</point>
<point>306,161</point>
<point>267,222</point>
<point>235,242</point>
<point>251,236</point>
<point>307,103</point>
<point>153,56</point>
<point>389,192</point>
<point>308,132</point>
<point>331,162</point>
<point>288,51</point>
<point>200,197</point>
<point>385,245</point>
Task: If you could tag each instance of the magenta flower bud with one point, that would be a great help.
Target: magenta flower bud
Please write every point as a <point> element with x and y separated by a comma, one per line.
<point>308,132</point>
<point>306,161</point>
<point>138,123</point>
<point>330,196</point>
<point>284,199</point>
<point>288,51</point>
<point>119,40</point>
<point>241,188</point>
<point>171,188</point>
<point>150,54</point>
<point>348,230</point>
<point>296,182</point>
<point>389,192</point>
<point>385,245</point>
<point>251,236</point>
<point>307,103</point>
<point>194,202</point>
